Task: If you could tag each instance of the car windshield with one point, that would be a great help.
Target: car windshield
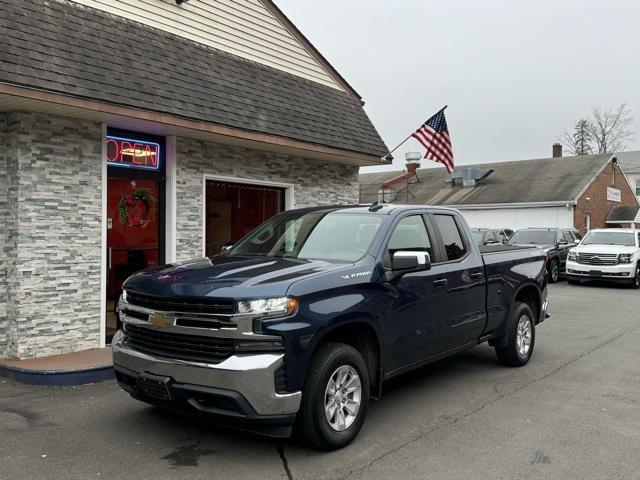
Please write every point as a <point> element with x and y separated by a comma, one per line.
<point>626,239</point>
<point>312,235</point>
<point>534,237</point>
<point>477,235</point>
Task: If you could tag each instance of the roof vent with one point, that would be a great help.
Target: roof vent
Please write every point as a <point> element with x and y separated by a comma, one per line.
<point>468,176</point>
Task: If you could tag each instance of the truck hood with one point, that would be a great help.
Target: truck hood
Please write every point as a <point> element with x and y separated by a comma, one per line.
<point>613,249</point>
<point>229,276</point>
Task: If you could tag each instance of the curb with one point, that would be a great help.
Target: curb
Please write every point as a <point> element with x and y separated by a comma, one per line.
<point>61,378</point>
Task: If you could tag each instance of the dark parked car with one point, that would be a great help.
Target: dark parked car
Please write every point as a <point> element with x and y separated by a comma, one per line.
<point>555,242</point>
<point>301,321</point>
<point>487,236</point>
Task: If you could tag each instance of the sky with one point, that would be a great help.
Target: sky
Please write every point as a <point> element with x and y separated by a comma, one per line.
<point>514,74</point>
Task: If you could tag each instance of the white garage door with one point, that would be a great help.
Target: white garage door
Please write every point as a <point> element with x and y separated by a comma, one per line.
<point>516,218</point>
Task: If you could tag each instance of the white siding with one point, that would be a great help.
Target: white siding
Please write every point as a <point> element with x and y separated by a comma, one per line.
<point>516,218</point>
<point>242,27</point>
<point>634,180</point>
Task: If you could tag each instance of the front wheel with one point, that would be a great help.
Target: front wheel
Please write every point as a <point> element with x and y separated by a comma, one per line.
<point>520,337</point>
<point>554,271</point>
<point>335,397</point>
<point>636,280</point>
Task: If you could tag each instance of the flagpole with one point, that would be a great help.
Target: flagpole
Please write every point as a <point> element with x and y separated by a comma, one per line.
<point>388,157</point>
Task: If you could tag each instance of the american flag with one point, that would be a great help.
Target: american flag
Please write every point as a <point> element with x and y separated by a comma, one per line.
<point>434,136</point>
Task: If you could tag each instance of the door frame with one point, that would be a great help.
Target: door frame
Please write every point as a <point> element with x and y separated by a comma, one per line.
<point>289,196</point>
<point>167,166</point>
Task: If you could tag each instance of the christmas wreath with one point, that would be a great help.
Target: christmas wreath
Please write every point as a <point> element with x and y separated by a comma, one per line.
<point>134,209</point>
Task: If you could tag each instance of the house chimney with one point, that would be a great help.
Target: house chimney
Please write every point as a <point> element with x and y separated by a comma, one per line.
<point>557,150</point>
<point>413,163</point>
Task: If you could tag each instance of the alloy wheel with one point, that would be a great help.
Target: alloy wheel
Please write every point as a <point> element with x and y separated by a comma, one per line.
<point>342,398</point>
<point>523,336</point>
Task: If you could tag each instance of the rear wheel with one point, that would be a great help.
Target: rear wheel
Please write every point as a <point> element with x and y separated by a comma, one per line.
<point>520,337</point>
<point>335,397</point>
<point>554,271</point>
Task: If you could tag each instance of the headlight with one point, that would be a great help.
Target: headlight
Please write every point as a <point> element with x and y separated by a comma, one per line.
<point>625,258</point>
<point>573,256</point>
<point>123,297</point>
<point>269,306</point>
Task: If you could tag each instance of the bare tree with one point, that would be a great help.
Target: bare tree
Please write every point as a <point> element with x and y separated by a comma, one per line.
<point>579,142</point>
<point>610,130</point>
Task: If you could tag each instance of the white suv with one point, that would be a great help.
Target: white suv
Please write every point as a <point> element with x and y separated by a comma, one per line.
<point>611,254</point>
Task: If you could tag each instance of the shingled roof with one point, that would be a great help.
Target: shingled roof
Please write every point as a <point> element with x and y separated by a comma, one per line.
<point>526,181</point>
<point>63,47</point>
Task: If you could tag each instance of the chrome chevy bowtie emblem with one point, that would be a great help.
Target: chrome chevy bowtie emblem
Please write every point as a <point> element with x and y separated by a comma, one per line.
<point>159,320</point>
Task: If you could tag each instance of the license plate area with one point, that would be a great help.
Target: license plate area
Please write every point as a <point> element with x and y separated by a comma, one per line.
<point>595,273</point>
<point>155,386</point>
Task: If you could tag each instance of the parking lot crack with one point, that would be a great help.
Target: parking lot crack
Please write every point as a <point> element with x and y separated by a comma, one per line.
<point>488,403</point>
<point>285,462</point>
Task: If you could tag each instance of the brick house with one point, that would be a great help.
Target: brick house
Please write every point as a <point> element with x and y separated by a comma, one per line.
<point>135,133</point>
<point>582,192</point>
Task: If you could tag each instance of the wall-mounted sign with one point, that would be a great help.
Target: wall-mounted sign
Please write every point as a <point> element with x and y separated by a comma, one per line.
<point>130,153</point>
<point>614,194</point>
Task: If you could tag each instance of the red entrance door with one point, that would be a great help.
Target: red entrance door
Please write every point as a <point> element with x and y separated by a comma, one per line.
<point>132,235</point>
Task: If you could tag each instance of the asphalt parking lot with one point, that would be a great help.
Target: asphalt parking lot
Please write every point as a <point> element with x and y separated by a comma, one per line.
<point>573,412</point>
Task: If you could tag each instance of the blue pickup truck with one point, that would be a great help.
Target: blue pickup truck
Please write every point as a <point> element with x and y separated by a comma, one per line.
<point>298,325</point>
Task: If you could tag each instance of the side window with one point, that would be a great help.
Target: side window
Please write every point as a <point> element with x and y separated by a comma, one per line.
<point>490,236</point>
<point>502,237</point>
<point>410,234</point>
<point>577,235</point>
<point>451,237</point>
<point>568,236</point>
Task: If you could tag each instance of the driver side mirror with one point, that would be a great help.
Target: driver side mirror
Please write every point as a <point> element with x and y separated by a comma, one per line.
<point>562,242</point>
<point>577,241</point>
<point>410,261</point>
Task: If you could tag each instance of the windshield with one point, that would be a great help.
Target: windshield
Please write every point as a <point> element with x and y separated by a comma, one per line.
<point>609,238</point>
<point>535,237</point>
<point>312,235</point>
<point>477,235</point>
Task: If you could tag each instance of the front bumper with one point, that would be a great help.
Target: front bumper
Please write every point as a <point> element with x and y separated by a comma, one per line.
<point>622,273</point>
<point>241,386</point>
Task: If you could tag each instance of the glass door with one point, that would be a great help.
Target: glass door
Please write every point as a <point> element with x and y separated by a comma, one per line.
<point>133,233</point>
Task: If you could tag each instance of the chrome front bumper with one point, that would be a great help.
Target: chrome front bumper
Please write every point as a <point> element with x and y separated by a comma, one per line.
<point>251,376</point>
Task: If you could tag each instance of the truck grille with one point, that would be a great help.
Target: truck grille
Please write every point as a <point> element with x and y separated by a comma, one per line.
<point>598,258</point>
<point>223,307</point>
<point>178,346</point>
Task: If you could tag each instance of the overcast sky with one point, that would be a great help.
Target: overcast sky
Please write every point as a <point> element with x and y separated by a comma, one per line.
<point>513,73</point>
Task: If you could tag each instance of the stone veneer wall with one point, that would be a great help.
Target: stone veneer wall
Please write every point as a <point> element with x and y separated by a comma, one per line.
<point>316,182</point>
<point>3,234</point>
<point>53,231</point>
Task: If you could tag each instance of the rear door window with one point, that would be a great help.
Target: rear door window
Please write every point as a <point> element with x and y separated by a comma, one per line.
<point>452,241</point>
<point>568,236</point>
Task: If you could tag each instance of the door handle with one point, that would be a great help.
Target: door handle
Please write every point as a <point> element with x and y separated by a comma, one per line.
<point>441,282</point>
<point>476,275</point>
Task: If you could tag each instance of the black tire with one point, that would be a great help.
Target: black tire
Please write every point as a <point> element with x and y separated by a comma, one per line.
<point>554,271</point>
<point>510,354</point>
<point>312,424</point>
<point>636,280</point>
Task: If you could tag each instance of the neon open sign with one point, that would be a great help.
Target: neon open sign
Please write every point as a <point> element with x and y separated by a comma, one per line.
<point>126,152</point>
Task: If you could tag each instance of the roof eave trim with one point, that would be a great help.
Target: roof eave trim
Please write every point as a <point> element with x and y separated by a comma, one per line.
<point>362,158</point>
